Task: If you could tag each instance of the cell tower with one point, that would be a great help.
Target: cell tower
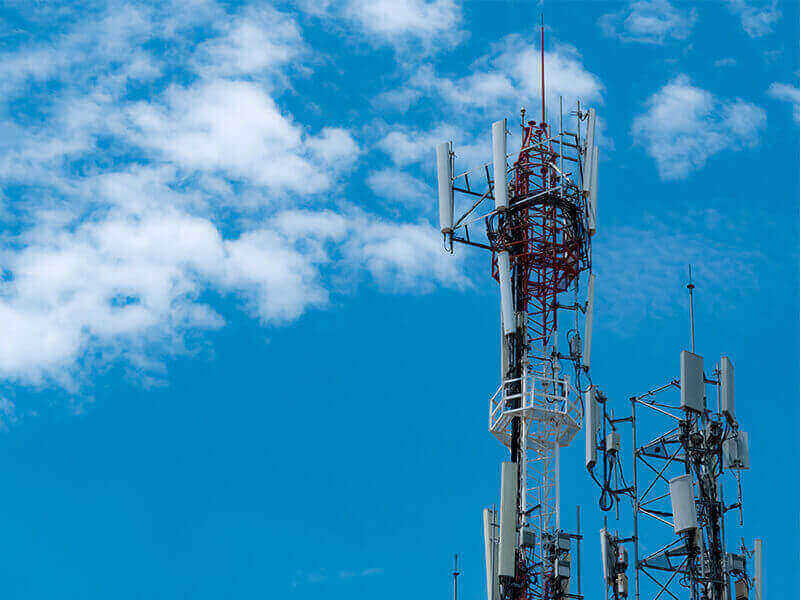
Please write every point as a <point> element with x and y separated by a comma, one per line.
<point>683,449</point>
<point>538,226</point>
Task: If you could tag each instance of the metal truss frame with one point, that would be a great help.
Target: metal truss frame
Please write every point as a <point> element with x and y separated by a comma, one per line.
<point>685,562</point>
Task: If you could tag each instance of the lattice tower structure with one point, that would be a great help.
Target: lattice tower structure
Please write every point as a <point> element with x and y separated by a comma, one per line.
<point>549,246</point>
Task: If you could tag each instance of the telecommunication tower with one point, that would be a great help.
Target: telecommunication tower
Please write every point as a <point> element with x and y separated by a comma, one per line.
<point>536,217</point>
<point>684,448</point>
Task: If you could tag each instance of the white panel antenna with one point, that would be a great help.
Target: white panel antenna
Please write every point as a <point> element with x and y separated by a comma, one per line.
<point>444,172</point>
<point>693,389</point>
<point>503,350</point>
<point>736,451</point>
<point>592,201</point>
<point>506,297</point>
<point>608,556</point>
<point>507,552</point>
<point>499,163</point>
<point>587,332</point>
<point>590,419</point>
<point>490,552</point>
<point>589,155</point>
<point>744,450</point>
<point>726,388</point>
<point>684,511</point>
<point>757,570</point>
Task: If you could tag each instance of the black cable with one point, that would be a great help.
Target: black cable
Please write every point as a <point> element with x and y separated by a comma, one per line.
<point>607,496</point>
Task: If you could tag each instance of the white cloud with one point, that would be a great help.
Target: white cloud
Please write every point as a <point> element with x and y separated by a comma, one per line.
<point>119,259</point>
<point>131,285</point>
<point>758,17</point>
<point>511,74</point>
<point>403,189</point>
<point>101,282</point>
<point>408,146</point>
<point>128,284</point>
<point>399,256</point>
<point>565,74</point>
<point>259,40</point>
<point>427,25</point>
<point>404,257</point>
<point>333,146</point>
<point>788,93</point>
<point>205,127</point>
<point>282,281</point>
<point>418,18</point>
<point>725,62</point>
<point>107,44</point>
<point>320,225</point>
<point>236,128</point>
<point>399,99</point>
<point>649,21</point>
<point>685,125</point>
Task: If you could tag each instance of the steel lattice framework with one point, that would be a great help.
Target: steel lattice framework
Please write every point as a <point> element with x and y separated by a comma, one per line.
<point>548,245</point>
<point>683,441</point>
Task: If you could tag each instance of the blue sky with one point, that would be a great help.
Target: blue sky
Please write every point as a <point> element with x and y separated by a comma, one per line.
<point>235,362</point>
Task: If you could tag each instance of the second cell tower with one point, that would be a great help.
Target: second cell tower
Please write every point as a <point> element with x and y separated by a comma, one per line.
<point>539,232</point>
<point>685,444</point>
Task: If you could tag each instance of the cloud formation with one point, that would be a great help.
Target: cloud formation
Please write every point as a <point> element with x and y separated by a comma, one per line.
<point>685,125</point>
<point>235,128</point>
<point>260,40</point>
<point>322,576</point>
<point>131,216</point>
<point>511,74</point>
<point>400,187</point>
<point>788,93</point>
<point>407,25</point>
<point>649,21</point>
<point>758,17</point>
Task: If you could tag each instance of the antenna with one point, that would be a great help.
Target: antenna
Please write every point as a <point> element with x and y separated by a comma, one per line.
<point>456,573</point>
<point>444,172</point>
<point>757,570</point>
<point>590,426</point>
<point>590,170</point>
<point>542,49</point>
<point>490,526</point>
<point>588,323</point>
<point>690,287</point>
<point>592,200</point>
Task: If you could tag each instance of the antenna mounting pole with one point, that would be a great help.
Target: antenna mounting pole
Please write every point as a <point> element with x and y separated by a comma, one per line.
<point>456,573</point>
<point>542,49</point>
<point>690,287</point>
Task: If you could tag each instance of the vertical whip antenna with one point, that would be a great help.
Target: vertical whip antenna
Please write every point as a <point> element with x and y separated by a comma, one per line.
<point>456,573</point>
<point>542,51</point>
<point>690,287</point>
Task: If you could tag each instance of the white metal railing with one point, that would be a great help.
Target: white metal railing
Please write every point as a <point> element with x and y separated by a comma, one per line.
<point>555,398</point>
